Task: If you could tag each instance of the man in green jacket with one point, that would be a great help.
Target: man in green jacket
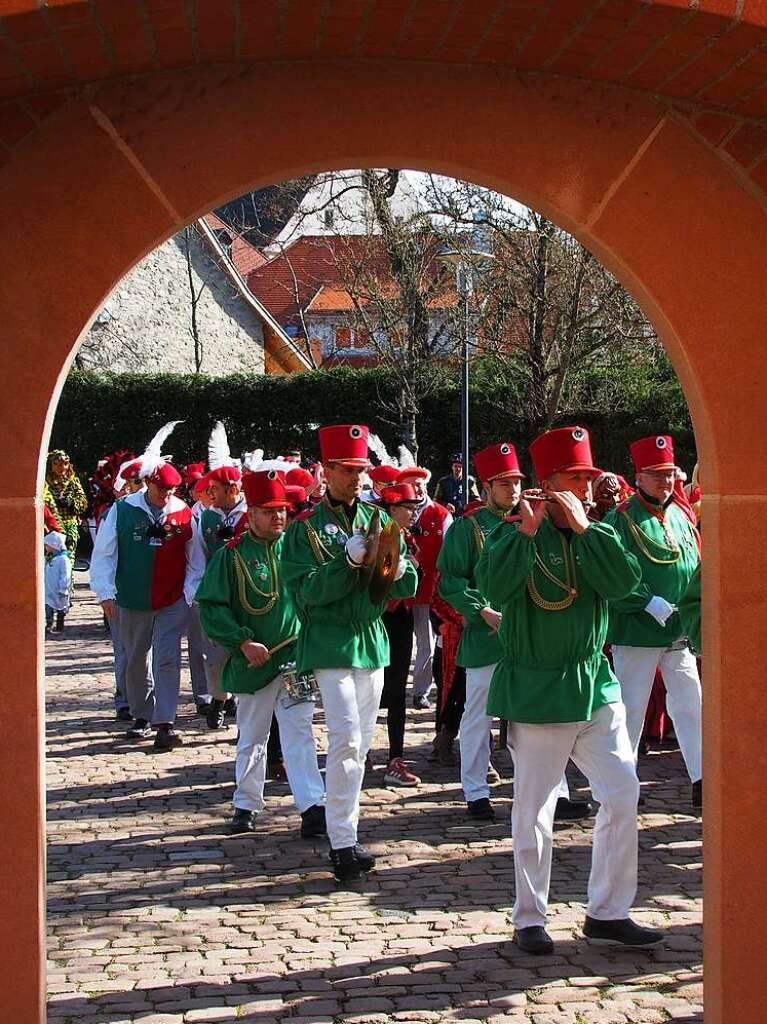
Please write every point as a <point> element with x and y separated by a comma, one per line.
<point>480,649</point>
<point>645,629</point>
<point>552,575</point>
<point>245,608</point>
<point>342,638</point>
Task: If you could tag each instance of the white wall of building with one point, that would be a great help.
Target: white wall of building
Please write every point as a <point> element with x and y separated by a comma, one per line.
<point>145,325</point>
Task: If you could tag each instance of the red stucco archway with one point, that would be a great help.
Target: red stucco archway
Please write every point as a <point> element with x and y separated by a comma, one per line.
<point>668,196</point>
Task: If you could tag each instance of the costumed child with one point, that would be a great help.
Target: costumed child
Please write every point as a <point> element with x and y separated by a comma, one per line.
<point>58,579</point>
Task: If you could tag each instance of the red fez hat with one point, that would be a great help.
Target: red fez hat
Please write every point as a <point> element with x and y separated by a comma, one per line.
<point>398,495</point>
<point>383,474</point>
<point>165,476</point>
<point>296,496</point>
<point>497,460</point>
<point>299,477</point>
<point>200,484</point>
<point>656,452</point>
<point>562,450</point>
<point>225,475</point>
<point>346,443</point>
<point>410,472</point>
<point>131,470</point>
<point>194,471</point>
<point>265,489</point>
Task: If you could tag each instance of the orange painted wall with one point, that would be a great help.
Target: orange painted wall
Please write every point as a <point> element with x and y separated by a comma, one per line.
<point>107,178</point>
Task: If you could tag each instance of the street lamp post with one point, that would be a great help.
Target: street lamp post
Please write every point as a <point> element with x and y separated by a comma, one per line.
<point>465,261</point>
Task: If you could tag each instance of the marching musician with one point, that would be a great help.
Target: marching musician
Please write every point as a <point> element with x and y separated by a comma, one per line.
<point>342,638</point>
<point>245,608</point>
<point>551,575</point>
<point>645,629</point>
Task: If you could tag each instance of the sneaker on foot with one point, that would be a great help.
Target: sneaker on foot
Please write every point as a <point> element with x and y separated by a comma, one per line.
<point>346,867</point>
<point>398,774</point>
<point>573,810</point>
<point>139,730</point>
<point>167,738</point>
<point>230,707</point>
<point>313,822</point>
<point>480,810</point>
<point>535,940</point>
<point>242,821</point>
<point>365,859</point>
<point>623,932</point>
<point>123,715</point>
<point>422,703</point>
<point>216,716</point>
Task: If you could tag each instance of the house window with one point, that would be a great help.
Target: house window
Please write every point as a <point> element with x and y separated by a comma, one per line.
<point>344,337</point>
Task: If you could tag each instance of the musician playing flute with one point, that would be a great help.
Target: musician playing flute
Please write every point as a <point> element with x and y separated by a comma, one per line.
<point>552,574</point>
<point>645,629</point>
<point>342,638</point>
<point>245,607</point>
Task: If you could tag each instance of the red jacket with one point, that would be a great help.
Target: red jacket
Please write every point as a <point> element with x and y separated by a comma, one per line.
<point>429,536</point>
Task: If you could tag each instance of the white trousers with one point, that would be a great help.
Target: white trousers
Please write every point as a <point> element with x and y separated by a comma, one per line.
<point>254,720</point>
<point>602,751</point>
<point>635,667</point>
<point>350,697</point>
<point>423,676</point>
<point>474,734</point>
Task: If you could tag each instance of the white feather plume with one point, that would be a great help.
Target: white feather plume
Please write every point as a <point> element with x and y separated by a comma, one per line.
<point>281,465</point>
<point>378,448</point>
<point>406,459</point>
<point>153,458</point>
<point>218,448</point>
<point>251,459</point>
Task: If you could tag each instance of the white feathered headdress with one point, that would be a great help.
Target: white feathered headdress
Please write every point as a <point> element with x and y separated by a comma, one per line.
<point>378,448</point>
<point>152,458</point>
<point>406,462</point>
<point>218,448</point>
<point>251,459</point>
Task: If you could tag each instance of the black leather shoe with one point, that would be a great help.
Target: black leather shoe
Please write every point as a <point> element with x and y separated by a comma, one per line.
<point>365,860</point>
<point>622,933</point>
<point>313,822</point>
<point>139,730</point>
<point>230,707</point>
<point>480,810</point>
<point>573,810</point>
<point>202,708</point>
<point>123,715</point>
<point>346,867</point>
<point>421,703</point>
<point>216,716</point>
<point>697,795</point>
<point>167,738</point>
<point>243,821</point>
<point>535,940</point>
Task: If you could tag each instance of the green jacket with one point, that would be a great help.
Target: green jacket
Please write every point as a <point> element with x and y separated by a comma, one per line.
<point>340,625</point>
<point>689,612</point>
<point>553,668</point>
<point>248,573</point>
<point>664,573</point>
<point>457,565</point>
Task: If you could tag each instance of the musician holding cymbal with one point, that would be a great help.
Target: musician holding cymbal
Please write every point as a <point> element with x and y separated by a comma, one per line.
<point>551,574</point>
<point>326,566</point>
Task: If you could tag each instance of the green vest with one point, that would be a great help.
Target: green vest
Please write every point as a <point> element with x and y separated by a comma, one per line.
<point>242,597</point>
<point>340,626</point>
<point>150,570</point>
<point>457,563</point>
<point>211,523</point>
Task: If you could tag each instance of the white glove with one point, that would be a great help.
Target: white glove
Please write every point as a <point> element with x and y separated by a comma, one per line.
<point>356,549</point>
<point>401,568</point>
<point>660,609</point>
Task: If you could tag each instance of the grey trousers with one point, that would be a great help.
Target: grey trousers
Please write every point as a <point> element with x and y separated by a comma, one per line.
<point>194,646</point>
<point>121,694</point>
<point>423,677</point>
<point>152,640</point>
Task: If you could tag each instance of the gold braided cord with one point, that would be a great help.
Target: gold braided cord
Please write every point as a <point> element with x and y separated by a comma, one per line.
<point>569,583</point>
<point>642,540</point>
<point>244,579</point>
<point>479,536</point>
<point>319,550</point>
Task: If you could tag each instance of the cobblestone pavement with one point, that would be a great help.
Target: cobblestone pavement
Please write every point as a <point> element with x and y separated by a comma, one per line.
<point>157,915</point>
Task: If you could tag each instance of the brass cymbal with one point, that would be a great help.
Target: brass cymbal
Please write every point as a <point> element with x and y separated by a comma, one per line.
<point>387,562</point>
<point>373,539</point>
